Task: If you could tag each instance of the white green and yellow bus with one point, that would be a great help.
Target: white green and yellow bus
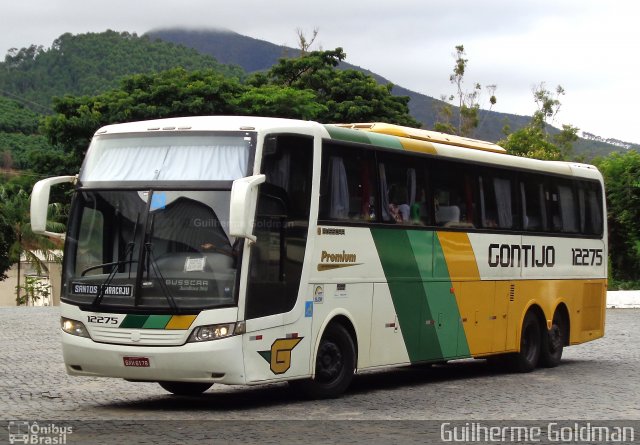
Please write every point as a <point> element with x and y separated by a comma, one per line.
<point>246,250</point>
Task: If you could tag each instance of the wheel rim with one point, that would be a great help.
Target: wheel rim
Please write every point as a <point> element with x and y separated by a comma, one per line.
<point>329,363</point>
<point>555,338</point>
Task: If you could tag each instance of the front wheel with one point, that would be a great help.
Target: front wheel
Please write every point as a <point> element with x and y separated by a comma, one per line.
<point>553,342</point>
<point>335,365</point>
<point>530,345</point>
<point>185,388</point>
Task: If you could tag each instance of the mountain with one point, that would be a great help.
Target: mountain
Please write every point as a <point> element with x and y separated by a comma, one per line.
<point>252,55</point>
<point>89,64</point>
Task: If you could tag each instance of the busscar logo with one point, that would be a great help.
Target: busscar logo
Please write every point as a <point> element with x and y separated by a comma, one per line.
<point>329,261</point>
<point>330,231</point>
<point>279,357</point>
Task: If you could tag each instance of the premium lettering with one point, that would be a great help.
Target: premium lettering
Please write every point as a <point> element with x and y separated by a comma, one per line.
<point>337,257</point>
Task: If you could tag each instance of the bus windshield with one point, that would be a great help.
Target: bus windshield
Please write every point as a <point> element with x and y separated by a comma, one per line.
<point>196,156</point>
<point>156,250</point>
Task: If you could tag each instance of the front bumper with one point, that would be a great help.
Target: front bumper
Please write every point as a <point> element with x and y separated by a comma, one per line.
<point>217,361</point>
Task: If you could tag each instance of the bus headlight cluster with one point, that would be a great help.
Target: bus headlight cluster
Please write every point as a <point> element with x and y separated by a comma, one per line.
<point>73,327</point>
<point>216,331</point>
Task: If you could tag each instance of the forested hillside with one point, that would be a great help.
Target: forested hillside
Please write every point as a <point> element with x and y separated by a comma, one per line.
<point>18,135</point>
<point>89,64</point>
<point>85,64</point>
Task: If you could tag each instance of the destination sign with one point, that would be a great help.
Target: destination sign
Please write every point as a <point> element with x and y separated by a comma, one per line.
<point>109,289</point>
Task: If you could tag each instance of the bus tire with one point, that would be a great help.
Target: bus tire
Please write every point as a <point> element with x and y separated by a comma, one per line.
<point>530,345</point>
<point>553,342</point>
<point>335,365</point>
<point>185,388</point>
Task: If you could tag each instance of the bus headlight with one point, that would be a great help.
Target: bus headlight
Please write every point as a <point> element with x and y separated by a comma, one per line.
<point>73,327</point>
<point>216,331</point>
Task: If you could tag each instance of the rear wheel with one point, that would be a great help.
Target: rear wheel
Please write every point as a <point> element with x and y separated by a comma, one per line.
<point>553,342</point>
<point>335,365</point>
<point>185,388</point>
<point>530,345</point>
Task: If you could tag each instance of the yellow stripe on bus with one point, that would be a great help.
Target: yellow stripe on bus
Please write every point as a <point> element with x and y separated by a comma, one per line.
<point>180,321</point>
<point>459,255</point>
<point>418,146</point>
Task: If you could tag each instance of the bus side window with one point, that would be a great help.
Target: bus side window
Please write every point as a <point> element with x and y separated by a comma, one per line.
<point>590,208</point>
<point>347,184</point>
<point>454,196</point>
<point>564,209</point>
<point>496,202</point>
<point>403,190</point>
<point>534,211</point>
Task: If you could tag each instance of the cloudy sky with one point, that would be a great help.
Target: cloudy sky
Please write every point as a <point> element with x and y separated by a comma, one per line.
<point>590,47</point>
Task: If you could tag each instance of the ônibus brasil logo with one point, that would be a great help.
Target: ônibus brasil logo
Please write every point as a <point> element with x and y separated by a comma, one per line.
<point>33,433</point>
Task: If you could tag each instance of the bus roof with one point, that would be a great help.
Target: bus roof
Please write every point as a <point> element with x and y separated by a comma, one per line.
<point>426,135</point>
<point>211,123</point>
<point>379,134</point>
<point>449,146</point>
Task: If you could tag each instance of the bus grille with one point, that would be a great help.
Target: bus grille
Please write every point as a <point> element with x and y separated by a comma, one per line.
<point>139,337</point>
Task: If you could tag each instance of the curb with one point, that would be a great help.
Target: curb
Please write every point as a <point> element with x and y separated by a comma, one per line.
<point>623,299</point>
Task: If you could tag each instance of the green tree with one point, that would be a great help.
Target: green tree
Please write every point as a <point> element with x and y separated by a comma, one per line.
<point>468,102</point>
<point>307,87</point>
<point>171,93</point>
<point>32,291</point>
<point>346,95</point>
<point>14,220</point>
<point>535,140</point>
<point>621,172</point>
<point>7,238</point>
<point>273,100</point>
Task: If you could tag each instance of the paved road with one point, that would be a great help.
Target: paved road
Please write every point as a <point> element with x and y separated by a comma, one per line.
<point>597,381</point>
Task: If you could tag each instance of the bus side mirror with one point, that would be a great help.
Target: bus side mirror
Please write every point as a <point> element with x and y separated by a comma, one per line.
<point>244,193</point>
<point>40,204</point>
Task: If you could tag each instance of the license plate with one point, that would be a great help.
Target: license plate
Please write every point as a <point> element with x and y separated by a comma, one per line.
<point>136,362</point>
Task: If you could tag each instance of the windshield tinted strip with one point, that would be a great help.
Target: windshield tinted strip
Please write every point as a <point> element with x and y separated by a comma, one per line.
<point>156,185</point>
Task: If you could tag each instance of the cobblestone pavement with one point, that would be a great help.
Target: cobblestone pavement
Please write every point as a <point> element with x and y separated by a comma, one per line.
<point>596,381</point>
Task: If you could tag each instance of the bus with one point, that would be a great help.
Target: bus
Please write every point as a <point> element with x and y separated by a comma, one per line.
<point>247,250</point>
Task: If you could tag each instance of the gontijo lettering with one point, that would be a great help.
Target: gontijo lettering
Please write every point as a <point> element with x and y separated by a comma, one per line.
<point>525,255</point>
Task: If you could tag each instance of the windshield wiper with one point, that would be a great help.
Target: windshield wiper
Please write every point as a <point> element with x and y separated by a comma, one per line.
<point>114,263</point>
<point>163,284</point>
<point>148,259</point>
<point>127,252</point>
<point>112,273</point>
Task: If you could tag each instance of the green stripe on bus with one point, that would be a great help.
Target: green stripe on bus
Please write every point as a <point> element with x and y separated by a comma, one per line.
<point>348,135</point>
<point>427,309</point>
<point>408,293</point>
<point>134,321</point>
<point>443,308</point>
<point>443,302</point>
<point>156,322</point>
<point>385,140</point>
